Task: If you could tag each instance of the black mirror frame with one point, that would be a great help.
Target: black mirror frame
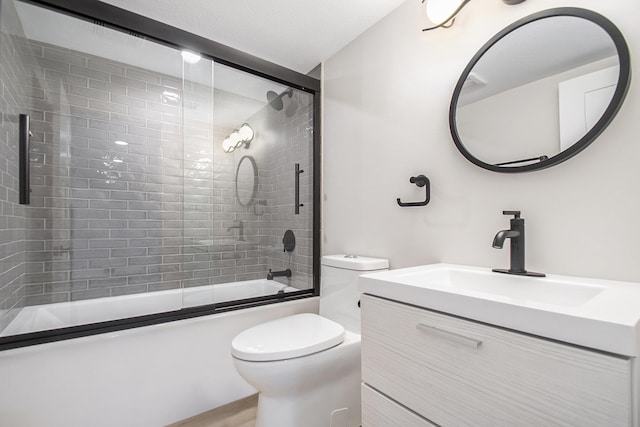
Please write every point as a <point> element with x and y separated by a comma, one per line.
<point>619,95</point>
<point>255,180</point>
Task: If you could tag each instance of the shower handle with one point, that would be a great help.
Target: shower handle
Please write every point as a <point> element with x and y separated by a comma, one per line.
<point>24,175</point>
<point>298,205</point>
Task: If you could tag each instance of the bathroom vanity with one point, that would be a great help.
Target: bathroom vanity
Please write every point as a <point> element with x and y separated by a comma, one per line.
<point>455,345</point>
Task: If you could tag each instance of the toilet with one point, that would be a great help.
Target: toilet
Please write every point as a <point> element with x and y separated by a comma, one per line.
<point>306,367</point>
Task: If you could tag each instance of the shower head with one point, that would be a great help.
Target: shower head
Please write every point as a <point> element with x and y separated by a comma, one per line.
<point>275,100</point>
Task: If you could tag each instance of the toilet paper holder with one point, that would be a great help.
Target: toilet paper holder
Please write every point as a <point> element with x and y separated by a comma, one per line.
<point>420,181</point>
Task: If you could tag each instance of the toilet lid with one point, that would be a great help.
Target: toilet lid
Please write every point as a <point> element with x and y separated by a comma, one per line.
<point>287,337</point>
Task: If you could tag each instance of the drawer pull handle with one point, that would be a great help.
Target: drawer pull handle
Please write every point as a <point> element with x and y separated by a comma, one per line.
<point>451,336</point>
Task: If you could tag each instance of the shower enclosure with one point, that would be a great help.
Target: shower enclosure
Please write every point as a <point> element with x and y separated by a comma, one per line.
<point>160,178</point>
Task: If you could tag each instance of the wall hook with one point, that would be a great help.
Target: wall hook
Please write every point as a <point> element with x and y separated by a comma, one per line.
<point>420,181</point>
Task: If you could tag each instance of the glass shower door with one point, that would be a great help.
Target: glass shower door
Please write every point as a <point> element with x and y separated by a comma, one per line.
<point>262,135</point>
<point>12,222</point>
<point>106,171</point>
<point>196,258</point>
<point>160,180</point>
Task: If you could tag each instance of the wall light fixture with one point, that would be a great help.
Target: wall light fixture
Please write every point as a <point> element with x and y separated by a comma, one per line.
<point>442,13</point>
<point>239,137</point>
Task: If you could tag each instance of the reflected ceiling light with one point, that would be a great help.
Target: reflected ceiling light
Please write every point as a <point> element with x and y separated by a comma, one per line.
<point>442,13</point>
<point>120,142</point>
<point>246,133</point>
<point>226,145</point>
<point>236,140</point>
<point>191,57</point>
<point>243,135</point>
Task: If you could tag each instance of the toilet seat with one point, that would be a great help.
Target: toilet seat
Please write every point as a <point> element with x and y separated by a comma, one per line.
<point>287,337</point>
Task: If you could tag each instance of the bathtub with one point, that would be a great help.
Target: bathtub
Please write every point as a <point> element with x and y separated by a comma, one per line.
<point>143,377</point>
<point>64,314</point>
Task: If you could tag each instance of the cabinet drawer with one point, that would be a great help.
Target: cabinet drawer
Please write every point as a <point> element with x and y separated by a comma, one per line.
<point>380,411</point>
<point>457,372</point>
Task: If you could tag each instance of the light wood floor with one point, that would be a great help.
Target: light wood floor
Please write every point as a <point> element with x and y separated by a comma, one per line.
<point>241,413</point>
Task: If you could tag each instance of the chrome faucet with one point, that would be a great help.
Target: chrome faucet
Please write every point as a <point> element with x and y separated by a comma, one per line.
<point>516,234</point>
<point>240,228</point>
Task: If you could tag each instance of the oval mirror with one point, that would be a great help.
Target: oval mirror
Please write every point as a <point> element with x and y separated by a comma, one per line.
<point>540,91</point>
<point>246,180</point>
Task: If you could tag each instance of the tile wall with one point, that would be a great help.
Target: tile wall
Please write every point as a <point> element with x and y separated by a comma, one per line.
<point>109,219</point>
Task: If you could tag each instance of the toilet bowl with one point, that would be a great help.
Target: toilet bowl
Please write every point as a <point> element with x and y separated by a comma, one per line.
<point>306,367</point>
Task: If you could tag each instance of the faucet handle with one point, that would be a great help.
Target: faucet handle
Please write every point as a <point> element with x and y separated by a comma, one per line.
<point>516,214</point>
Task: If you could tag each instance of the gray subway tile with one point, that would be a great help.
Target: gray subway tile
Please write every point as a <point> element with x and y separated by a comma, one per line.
<point>145,278</point>
<point>107,263</point>
<point>90,73</point>
<point>30,300</point>
<point>66,78</point>
<point>107,243</point>
<point>136,243</point>
<point>107,184</point>
<point>164,286</point>
<point>128,290</point>
<point>127,195</point>
<point>129,252</point>
<point>164,268</point>
<point>149,260</point>
<point>89,274</point>
<point>90,294</point>
<point>126,271</point>
<point>64,56</point>
<point>107,283</point>
<point>107,204</point>
<point>109,107</point>
<point>126,100</point>
<point>75,285</point>
<point>127,234</point>
<point>128,214</point>
<point>107,223</point>
<point>106,66</point>
<point>129,82</point>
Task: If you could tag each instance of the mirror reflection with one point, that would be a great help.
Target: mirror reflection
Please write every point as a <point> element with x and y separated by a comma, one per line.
<point>246,180</point>
<point>536,92</point>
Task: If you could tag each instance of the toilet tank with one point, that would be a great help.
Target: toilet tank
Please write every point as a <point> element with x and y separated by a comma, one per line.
<point>339,292</point>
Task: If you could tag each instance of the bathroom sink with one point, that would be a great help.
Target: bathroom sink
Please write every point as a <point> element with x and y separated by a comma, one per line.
<point>511,288</point>
<point>595,313</point>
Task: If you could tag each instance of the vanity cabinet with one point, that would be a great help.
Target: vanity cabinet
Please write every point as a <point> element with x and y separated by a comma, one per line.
<point>379,410</point>
<point>426,367</point>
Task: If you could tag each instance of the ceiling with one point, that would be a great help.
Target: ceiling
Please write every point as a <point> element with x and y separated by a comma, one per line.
<point>297,34</point>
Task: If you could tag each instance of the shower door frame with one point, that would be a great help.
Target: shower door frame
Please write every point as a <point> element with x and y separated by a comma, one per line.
<point>138,25</point>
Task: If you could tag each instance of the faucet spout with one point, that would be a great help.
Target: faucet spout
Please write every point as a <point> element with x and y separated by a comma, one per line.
<point>283,273</point>
<point>516,236</point>
<point>502,235</point>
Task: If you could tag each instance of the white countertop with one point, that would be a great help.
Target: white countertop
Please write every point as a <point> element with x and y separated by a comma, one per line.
<point>594,313</point>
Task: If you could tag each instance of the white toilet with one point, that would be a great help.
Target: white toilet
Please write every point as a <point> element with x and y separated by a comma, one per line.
<point>307,366</point>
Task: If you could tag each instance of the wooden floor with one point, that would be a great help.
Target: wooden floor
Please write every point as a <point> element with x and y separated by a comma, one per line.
<point>241,413</point>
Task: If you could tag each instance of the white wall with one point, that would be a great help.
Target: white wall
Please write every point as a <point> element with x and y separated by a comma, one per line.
<point>149,376</point>
<point>386,99</point>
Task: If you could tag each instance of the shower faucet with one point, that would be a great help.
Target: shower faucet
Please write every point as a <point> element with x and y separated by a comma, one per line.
<point>516,234</point>
<point>240,228</point>
<point>283,273</point>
